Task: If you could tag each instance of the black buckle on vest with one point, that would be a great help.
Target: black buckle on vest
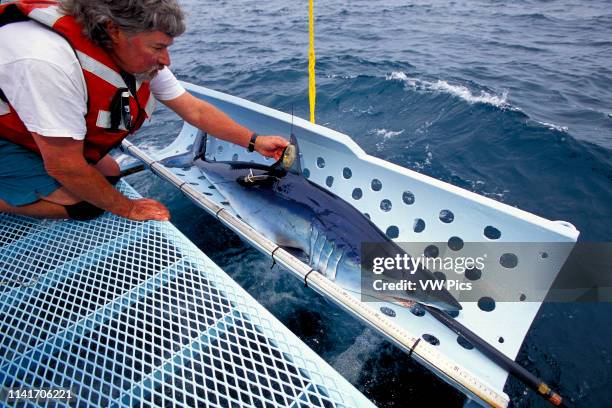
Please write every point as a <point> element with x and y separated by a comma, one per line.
<point>120,111</point>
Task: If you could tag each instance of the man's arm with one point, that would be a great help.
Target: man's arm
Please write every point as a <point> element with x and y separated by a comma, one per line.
<point>204,116</point>
<point>64,161</point>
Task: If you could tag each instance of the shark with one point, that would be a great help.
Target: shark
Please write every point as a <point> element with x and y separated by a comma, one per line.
<point>320,227</point>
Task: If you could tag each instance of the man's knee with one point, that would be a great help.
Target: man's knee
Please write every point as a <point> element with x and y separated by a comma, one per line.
<point>108,166</point>
<point>83,211</point>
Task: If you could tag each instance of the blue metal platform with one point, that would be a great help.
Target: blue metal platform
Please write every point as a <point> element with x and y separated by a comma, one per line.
<point>128,313</point>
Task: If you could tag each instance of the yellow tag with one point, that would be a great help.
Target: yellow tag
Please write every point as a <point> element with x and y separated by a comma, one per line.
<point>289,157</point>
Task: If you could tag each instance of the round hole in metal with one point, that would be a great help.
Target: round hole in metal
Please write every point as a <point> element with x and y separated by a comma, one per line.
<point>408,198</point>
<point>329,181</point>
<point>357,194</point>
<point>523,297</point>
<point>501,339</point>
<point>431,339</point>
<point>543,255</point>
<point>385,205</point>
<point>419,225</point>
<point>306,173</point>
<point>320,162</point>
<point>492,232</point>
<point>376,185</point>
<point>392,232</point>
<point>473,274</point>
<point>347,173</point>
<point>417,310</point>
<point>439,276</point>
<point>235,156</point>
<point>431,251</point>
<point>387,311</point>
<point>447,216</point>
<point>455,243</point>
<point>486,304</point>
<point>463,342</point>
<point>219,148</point>
<point>508,260</point>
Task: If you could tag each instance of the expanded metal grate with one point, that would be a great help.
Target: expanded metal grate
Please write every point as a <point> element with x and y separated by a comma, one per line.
<point>129,313</point>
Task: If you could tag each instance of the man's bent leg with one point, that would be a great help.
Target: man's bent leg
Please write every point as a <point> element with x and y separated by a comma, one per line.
<point>27,189</point>
<point>38,209</point>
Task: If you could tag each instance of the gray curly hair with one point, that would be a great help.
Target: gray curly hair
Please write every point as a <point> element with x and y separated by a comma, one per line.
<point>131,16</point>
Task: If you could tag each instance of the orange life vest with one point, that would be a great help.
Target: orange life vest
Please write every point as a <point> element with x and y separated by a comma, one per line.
<point>104,79</point>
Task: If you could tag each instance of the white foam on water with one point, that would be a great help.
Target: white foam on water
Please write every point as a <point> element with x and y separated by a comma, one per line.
<point>340,76</point>
<point>460,91</point>
<point>552,126</point>
<point>387,134</point>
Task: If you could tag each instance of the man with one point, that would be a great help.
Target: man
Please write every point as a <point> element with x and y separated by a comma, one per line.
<point>76,78</point>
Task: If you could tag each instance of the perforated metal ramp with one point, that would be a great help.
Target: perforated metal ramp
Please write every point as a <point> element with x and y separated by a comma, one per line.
<point>413,209</point>
<point>133,314</point>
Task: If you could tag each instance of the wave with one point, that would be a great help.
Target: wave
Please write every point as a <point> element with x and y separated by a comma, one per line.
<point>387,134</point>
<point>552,126</point>
<point>460,91</point>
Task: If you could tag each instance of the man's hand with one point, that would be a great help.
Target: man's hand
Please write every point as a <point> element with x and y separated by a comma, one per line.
<point>270,146</point>
<point>144,209</point>
<point>64,161</point>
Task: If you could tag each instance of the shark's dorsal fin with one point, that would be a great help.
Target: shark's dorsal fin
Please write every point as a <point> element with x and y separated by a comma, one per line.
<point>290,159</point>
<point>194,152</point>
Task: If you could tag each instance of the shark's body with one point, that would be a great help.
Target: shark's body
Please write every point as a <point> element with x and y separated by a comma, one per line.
<point>293,212</point>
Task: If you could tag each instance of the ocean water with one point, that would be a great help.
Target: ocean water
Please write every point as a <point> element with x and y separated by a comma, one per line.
<point>511,100</point>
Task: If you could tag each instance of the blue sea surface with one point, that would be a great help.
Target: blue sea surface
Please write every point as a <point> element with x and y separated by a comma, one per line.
<point>511,100</point>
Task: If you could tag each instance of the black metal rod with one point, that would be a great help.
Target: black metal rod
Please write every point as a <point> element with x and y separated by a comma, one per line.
<point>133,170</point>
<point>499,358</point>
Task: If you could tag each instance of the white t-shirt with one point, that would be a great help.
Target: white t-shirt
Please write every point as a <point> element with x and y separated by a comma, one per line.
<point>43,80</point>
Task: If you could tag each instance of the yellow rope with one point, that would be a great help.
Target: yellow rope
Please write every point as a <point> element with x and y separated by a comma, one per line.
<point>312,87</point>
